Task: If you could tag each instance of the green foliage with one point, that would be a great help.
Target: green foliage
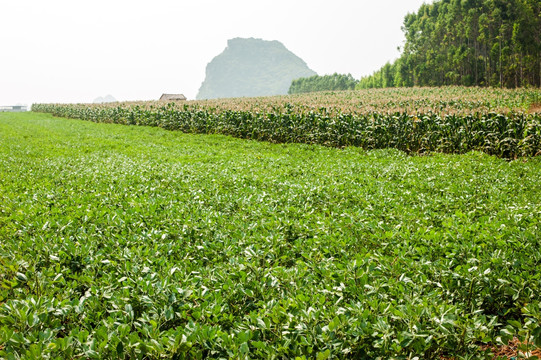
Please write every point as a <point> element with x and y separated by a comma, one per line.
<point>475,42</point>
<point>384,78</point>
<point>140,243</point>
<point>332,82</point>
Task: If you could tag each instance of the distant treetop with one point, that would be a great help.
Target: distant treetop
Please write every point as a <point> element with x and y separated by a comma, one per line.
<point>322,83</point>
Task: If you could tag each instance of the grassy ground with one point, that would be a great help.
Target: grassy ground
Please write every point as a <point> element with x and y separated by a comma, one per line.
<point>135,242</point>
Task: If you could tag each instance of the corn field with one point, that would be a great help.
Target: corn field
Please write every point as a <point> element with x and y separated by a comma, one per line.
<point>505,123</point>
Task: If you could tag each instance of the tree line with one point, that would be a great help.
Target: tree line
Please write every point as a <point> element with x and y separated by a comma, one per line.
<point>332,82</point>
<point>467,42</point>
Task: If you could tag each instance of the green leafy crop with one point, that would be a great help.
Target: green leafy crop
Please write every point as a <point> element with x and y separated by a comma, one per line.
<point>141,243</point>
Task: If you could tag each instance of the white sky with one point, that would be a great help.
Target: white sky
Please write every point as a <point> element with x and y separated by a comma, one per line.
<point>74,51</point>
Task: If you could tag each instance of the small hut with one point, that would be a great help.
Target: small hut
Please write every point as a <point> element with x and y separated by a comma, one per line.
<point>172,97</point>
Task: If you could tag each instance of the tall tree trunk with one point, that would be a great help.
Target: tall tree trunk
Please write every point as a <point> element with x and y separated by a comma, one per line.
<point>500,59</point>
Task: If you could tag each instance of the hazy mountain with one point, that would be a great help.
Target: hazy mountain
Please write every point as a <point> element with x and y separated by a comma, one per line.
<point>105,99</point>
<point>252,67</point>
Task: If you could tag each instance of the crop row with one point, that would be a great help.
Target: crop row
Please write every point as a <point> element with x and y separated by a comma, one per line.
<point>508,135</point>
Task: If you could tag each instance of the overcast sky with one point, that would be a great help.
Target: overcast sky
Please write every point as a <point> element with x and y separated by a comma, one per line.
<point>74,51</point>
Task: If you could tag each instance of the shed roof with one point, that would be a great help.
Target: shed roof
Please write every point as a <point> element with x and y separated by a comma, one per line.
<point>172,97</point>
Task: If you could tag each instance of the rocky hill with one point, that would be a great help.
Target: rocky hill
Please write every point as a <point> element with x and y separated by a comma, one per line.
<point>105,99</point>
<point>252,67</point>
